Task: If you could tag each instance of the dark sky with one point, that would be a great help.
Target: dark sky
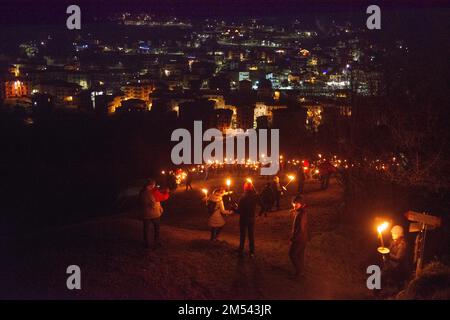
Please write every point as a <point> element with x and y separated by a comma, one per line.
<point>53,11</point>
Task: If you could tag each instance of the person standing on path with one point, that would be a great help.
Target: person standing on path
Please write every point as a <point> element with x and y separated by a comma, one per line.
<point>299,236</point>
<point>151,209</point>
<point>216,210</point>
<point>246,210</point>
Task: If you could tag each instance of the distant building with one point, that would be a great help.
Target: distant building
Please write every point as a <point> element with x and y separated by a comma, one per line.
<point>245,117</point>
<point>245,86</point>
<point>64,92</point>
<point>202,110</point>
<point>16,88</point>
<point>286,118</point>
<point>222,118</point>
<point>265,89</point>
<point>80,78</point>
<point>138,90</point>
<point>262,122</point>
<point>133,105</point>
<point>265,109</point>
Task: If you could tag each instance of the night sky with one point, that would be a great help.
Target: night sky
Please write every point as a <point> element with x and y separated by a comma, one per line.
<point>22,12</point>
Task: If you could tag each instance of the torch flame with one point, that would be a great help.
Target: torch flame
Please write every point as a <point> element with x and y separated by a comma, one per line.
<point>249,180</point>
<point>382,227</point>
<point>291,177</point>
<point>228,182</point>
<point>205,191</point>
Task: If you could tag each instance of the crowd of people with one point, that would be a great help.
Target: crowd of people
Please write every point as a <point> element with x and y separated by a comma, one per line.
<point>247,207</point>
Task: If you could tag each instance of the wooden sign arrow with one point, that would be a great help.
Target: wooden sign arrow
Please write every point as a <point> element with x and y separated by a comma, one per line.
<point>423,218</point>
<point>415,227</point>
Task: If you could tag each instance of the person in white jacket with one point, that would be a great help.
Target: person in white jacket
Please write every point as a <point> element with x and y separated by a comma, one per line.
<point>216,220</point>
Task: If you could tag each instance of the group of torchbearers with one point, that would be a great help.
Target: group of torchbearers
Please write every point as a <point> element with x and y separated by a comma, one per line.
<point>151,197</point>
<point>247,208</point>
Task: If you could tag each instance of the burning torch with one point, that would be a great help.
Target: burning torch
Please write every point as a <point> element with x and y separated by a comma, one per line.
<point>291,178</point>
<point>205,191</point>
<point>228,194</point>
<point>383,250</point>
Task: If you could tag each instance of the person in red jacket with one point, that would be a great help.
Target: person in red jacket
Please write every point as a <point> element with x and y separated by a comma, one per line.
<point>151,198</point>
<point>326,169</point>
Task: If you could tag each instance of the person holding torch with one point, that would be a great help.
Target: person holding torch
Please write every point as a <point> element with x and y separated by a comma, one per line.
<point>216,210</point>
<point>228,199</point>
<point>396,267</point>
<point>299,236</point>
<point>151,197</point>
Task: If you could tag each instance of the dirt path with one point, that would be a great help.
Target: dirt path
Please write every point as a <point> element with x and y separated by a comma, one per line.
<point>114,264</point>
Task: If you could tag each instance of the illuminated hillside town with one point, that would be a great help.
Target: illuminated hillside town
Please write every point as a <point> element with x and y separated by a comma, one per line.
<point>252,72</point>
<point>345,177</point>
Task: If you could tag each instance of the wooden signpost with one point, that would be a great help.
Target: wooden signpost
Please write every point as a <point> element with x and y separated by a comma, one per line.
<point>423,218</point>
<point>421,223</point>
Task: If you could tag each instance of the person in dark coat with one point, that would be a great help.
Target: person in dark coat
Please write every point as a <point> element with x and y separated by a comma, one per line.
<point>277,190</point>
<point>246,210</point>
<point>188,181</point>
<point>171,181</point>
<point>267,200</point>
<point>299,236</point>
<point>301,180</point>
